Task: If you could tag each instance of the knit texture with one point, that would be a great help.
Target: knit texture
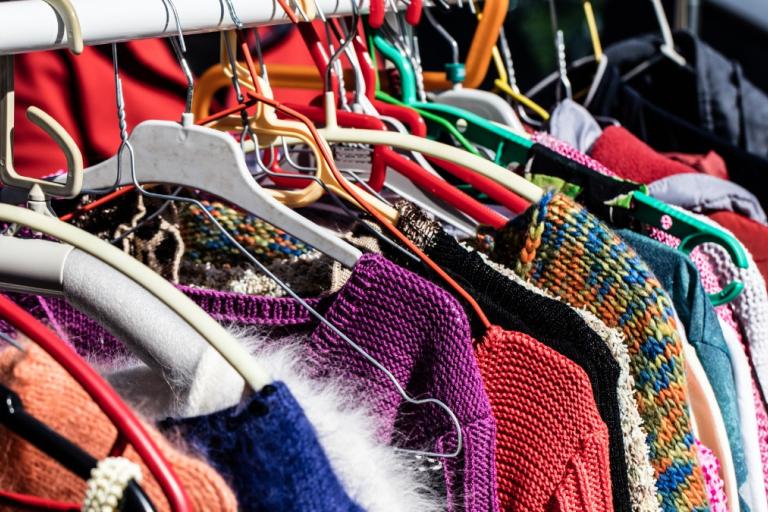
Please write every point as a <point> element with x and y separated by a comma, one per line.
<point>559,246</point>
<point>51,395</point>
<point>680,278</point>
<point>205,243</point>
<point>750,307</point>
<point>513,307</point>
<point>570,152</point>
<point>552,447</point>
<point>752,234</point>
<point>413,328</point>
<point>269,451</point>
<point>718,500</point>
<point>642,484</point>
<point>713,282</point>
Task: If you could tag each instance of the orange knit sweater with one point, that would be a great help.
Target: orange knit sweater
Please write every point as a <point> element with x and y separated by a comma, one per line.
<point>551,445</point>
<point>51,395</point>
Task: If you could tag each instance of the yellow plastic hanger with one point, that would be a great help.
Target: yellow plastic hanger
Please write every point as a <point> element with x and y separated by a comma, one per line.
<point>594,35</point>
<point>8,173</point>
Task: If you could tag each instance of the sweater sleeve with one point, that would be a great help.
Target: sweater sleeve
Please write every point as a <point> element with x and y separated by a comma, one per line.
<point>586,483</point>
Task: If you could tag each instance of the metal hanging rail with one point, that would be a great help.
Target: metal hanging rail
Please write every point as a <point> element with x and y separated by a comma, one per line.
<point>33,25</point>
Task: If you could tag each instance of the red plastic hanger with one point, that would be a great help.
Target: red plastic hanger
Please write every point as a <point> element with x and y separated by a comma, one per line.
<point>130,430</point>
<point>390,158</point>
<point>353,191</point>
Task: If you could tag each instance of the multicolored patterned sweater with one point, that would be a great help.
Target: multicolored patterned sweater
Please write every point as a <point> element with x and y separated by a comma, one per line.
<point>559,246</point>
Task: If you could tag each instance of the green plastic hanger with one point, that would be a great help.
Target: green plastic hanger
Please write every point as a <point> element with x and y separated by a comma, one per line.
<point>692,232</point>
<point>508,146</point>
<point>432,118</point>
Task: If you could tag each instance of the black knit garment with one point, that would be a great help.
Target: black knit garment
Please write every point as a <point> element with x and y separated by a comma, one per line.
<point>514,307</point>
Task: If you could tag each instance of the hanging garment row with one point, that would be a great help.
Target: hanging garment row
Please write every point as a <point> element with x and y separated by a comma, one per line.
<point>238,282</point>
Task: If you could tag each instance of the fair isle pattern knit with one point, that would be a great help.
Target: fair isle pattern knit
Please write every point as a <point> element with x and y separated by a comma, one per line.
<point>567,251</point>
<point>713,281</point>
<point>204,243</point>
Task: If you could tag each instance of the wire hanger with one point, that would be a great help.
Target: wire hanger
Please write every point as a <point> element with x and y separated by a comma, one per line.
<point>194,157</point>
<point>562,61</point>
<point>129,428</point>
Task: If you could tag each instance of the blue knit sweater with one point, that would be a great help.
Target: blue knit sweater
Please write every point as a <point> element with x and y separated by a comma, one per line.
<point>268,451</point>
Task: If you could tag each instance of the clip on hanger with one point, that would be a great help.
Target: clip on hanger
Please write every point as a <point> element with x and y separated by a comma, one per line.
<point>129,428</point>
<point>40,189</point>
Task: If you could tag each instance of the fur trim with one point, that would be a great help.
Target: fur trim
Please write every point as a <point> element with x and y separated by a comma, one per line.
<point>376,476</point>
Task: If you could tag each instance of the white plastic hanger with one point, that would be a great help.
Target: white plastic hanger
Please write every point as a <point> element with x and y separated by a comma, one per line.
<point>218,337</point>
<point>204,159</point>
<point>40,189</point>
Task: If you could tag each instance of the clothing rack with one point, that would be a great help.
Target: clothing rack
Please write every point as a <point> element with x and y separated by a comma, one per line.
<point>33,25</point>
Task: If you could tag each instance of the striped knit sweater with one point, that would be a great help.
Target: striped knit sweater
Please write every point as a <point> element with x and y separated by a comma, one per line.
<point>559,246</point>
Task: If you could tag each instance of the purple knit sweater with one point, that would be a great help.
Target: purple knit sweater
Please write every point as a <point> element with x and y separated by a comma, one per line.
<point>415,329</point>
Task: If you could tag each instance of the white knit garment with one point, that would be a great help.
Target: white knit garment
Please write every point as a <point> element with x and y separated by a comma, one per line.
<point>750,307</point>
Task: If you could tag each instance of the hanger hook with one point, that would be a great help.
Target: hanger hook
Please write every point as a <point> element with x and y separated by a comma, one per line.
<point>180,49</point>
<point>8,174</point>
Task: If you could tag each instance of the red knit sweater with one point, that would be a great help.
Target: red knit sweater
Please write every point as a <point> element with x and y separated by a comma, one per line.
<point>551,445</point>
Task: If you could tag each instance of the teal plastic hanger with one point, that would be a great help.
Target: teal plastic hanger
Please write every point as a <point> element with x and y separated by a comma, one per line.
<point>431,118</point>
<point>508,146</point>
<point>692,233</point>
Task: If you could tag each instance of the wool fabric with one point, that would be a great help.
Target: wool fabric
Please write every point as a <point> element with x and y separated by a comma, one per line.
<point>568,151</point>
<point>205,243</point>
<point>752,234</point>
<point>413,328</point>
<point>631,158</point>
<point>680,278</point>
<point>561,247</point>
<point>552,447</point>
<point>642,485</point>
<point>51,395</point>
<point>713,282</point>
<point>269,451</point>
<point>513,307</point>
<point>750,307</point>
